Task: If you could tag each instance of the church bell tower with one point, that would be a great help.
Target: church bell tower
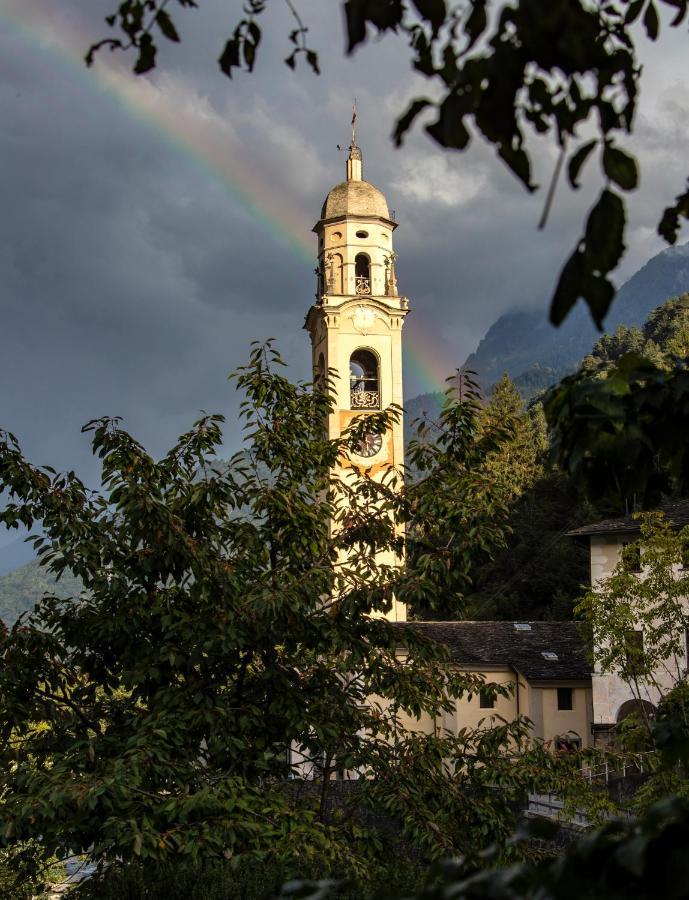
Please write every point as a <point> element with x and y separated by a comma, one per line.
<point>355,324</point>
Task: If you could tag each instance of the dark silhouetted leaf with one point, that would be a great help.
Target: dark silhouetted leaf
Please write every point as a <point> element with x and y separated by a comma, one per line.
<point>569,287</point>
<point>620,167</point>
<point>604,232</point>
<point>634,11</point>
<point>668,227</point>
<point>518,161</point>
<point>404,122</point>
<point>476,24</point>
<point>147,55</point>
<point>229,58</point>
<point>167,26</point>
<point>434,11</point>
<point>651,23</point>
<point>577,161</point>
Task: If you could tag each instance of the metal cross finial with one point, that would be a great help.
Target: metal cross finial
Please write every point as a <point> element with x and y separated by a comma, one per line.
<point>354,123</point>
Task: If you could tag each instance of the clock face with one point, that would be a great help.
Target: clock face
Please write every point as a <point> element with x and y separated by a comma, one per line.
<point>369,445</point>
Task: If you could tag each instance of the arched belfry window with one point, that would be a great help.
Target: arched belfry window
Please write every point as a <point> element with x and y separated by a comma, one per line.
<point>362,272</point>
<point>363,380</point>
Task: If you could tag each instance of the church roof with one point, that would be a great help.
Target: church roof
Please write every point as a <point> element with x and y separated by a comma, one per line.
<point>677,514</point>
<point>540,651</point>
<point>355,198</point>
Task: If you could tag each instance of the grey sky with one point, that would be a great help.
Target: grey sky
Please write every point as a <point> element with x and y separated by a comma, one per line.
<point>133,278</point>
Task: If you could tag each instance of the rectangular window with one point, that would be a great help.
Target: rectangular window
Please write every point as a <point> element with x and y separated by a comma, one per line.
<point>486,699</point>
<point>564,698</point>
<point>634,649</point>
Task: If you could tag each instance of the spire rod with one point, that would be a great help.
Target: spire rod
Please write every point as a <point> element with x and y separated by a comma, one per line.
<point>354,162</point>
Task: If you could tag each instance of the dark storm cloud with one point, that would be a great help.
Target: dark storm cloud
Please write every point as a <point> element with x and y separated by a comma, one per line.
<point>133,281</point>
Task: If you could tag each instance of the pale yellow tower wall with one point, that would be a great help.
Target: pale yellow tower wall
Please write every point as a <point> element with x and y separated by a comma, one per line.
<point>360,313</point>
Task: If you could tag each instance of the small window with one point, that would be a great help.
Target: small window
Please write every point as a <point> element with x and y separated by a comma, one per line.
<point>634,650</point>
<point>522,626</point>
<point>362,234</point>
<point>337,235</point>
<point>549,655</point>
<point>564,698</point>
<point>486,699</point>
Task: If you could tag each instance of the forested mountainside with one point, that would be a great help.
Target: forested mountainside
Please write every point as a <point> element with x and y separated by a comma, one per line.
<point>535,355</point>
<point>22,589</point>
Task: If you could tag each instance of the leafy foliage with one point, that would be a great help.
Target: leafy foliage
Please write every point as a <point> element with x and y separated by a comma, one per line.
<point>229,635</point>
<point>640,859</point>
<point>459,507</point>
<point>249,880</point>
<point>506,72</point>
<point>620,437</point>
<point>538,572</point>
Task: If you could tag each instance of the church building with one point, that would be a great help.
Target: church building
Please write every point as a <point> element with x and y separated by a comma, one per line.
<point>356,326</point>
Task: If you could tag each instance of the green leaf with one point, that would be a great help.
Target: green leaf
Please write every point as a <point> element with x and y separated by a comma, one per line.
<point>651,22</point>
<point>229,58</point>
<point>519,162</point>
<point>355,21</point>
<point>577,161</point>
<point>569,287</point>
<point>434,11</point>
<point>634,11</point>
<point>605,232</point>
<point>620,167</point>
<point>146,59</point>
<point>166,25</point>
<point>476,24</point>
<point>449,129</point>
<point>405,122</point>
<point>668,227</point>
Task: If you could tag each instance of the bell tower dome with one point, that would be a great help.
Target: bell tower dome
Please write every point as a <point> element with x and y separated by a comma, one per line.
<point>355,324</point>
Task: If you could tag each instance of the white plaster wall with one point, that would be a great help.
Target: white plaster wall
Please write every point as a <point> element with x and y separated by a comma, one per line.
<point>609,690</point>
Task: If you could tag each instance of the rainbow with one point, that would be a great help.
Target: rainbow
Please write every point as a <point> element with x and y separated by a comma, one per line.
<point>187,122</point>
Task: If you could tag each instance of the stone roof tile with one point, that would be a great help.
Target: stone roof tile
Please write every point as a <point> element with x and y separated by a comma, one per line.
<point>521,649</point>
<point>677,513</point>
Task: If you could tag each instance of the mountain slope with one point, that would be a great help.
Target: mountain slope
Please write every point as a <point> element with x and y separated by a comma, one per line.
<point>524,344</point>
<point>22,589</point>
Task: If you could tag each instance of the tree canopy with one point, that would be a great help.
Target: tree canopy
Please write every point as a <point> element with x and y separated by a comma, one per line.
<point>501,72</point>
<point>662,339</point>
<point>229,636</point>
<point>618,424</point>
